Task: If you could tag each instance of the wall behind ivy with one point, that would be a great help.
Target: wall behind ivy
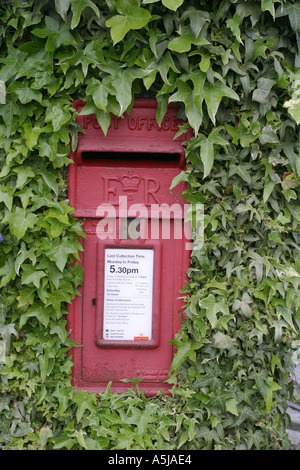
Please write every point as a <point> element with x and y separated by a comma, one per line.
<point>232,66</point>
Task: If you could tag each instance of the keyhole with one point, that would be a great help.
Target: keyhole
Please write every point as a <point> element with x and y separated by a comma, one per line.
<point>94,303</point>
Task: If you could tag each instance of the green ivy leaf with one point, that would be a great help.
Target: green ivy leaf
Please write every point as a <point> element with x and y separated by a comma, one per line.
<point>6,196</point>
<point>213,95</point>
<point>11,63</point>
<point>268,5</point>
<point>231,406</point>
<point>293,106</point>
<point>197,18</point>
<point>30,275</point>
<point>7,271</point>
<point>264,86</point>
<point>130,17</point>
<point>181,43</point>
<point>23,174</point>
<point>207,156</point>
<point>234,24</point>
<point>36,311</point>
<point>222,341</point>
<point>24,92</point>
<point>184,42</point>
<point>100,95</point>
<point>9,113</point>
<point>182,176</point>
<point>268,189</point>
<point>62,7</point>
<point>122,83</point>
<point>259,49</point>
<point>172,4</point>
<point>20,220</point>
<point>31,135</point>
<point>6,332</point>
<point>56,33</point>
<point>58,114</point>
<point>104,120</point>
<point>24,254</point>
<point>45,434</point>
<point>269,395</point>
<point>77,7</point>
<point>293,12</point>
<point>212,308</point>
<point>185,349</point>
<point>185,94</point>
<point>59,252</point>
<point>84,402</point>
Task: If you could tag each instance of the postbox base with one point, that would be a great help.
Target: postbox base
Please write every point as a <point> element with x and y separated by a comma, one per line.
<point>149,390</point>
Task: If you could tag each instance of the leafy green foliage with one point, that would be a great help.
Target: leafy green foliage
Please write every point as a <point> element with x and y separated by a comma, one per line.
<point>130,16</point>
<point>232,68</point>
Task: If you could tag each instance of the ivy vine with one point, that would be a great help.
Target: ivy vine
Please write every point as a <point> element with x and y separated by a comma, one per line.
<point>233,66</point>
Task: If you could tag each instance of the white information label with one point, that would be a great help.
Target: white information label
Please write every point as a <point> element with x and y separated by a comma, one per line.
<point>128,289</point>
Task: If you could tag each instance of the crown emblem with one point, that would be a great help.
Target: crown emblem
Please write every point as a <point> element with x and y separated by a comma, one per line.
<point>130,182</point>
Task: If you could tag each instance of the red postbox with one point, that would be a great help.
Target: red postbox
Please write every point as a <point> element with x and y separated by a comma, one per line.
<point>136,249</point>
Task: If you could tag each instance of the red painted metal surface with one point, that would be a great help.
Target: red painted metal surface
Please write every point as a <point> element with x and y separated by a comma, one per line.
<point>136,161</point>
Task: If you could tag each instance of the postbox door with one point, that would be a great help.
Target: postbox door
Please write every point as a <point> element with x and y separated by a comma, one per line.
<point>114,358</point>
